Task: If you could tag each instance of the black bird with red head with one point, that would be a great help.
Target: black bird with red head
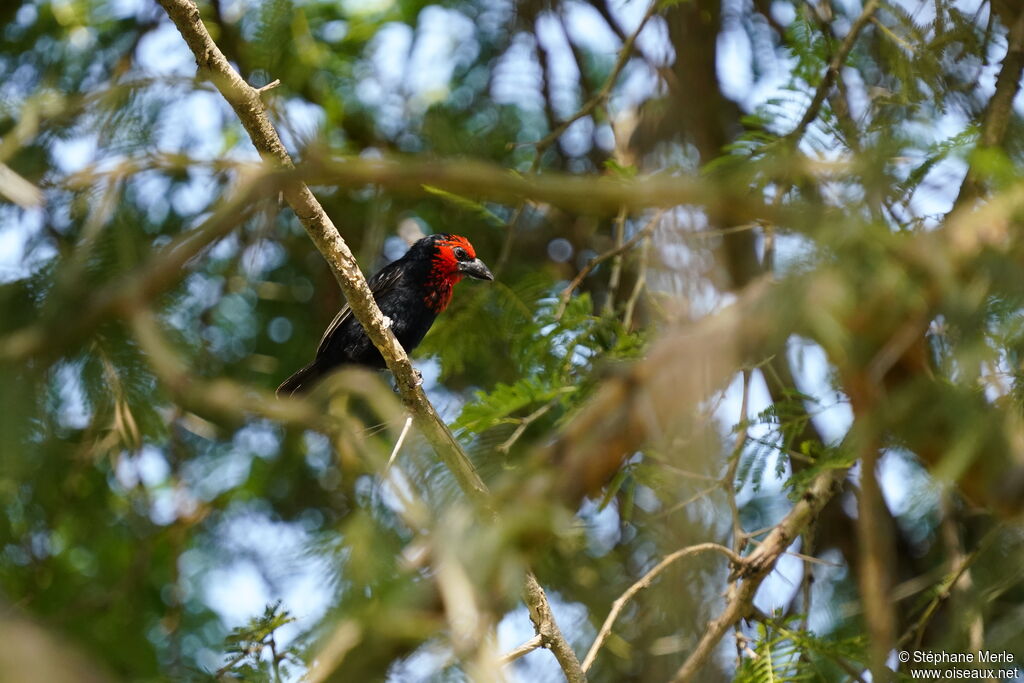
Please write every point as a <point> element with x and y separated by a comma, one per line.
<point>411,292</point>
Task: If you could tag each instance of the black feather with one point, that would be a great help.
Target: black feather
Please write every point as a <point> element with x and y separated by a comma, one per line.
<point>401,290</point>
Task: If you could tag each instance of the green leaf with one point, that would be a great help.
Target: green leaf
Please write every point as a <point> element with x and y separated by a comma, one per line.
<point>467,204</point>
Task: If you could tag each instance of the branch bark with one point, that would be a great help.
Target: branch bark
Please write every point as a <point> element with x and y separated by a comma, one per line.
<point>1000,108</point>
<point>248,106</point>
<point>544,622</point>
<point>644,582</point>
<point>589,194</point>
<point>758,565</point>
<point>833,71</point>
<point>606,90</point>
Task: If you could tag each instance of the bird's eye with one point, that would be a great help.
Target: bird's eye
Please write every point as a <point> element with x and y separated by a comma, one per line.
<point>461,254</point>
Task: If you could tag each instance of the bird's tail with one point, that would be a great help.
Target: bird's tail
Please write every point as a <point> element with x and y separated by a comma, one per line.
<point>302,381</point>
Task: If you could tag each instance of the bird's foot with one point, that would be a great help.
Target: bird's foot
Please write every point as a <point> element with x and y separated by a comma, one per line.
<point>418,381</point>
<point>387,322</point>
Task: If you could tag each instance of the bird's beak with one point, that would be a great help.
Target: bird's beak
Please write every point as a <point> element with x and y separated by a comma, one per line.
<point>475,268</point>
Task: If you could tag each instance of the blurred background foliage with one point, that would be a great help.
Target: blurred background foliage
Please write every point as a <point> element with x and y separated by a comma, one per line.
<point>164,519</point>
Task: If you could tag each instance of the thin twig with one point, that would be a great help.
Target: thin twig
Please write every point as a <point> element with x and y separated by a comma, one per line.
<point>916,632</point>
<point>251,650</point>
<point>728,481</point>
<point>601,95</point>
<point>544,622</point>
<point>601,258</point>
<point>250,109</point>
<point>832,71</point>
<point>728,485</point>
<point>269,86</point>
<point>506,244</point>
<point>275,660</point>
<point>644,582</point>
<point>616,274</point>
<point>638,286</point>
<point>692,499</point>
<point>961,588</point>
<point>756,567</point>
<point>398,444</point>
<point>895,38</point>
<point>524,423</point>
<point>526,648</point>
<point>874,544</point>
<point>804,557</point>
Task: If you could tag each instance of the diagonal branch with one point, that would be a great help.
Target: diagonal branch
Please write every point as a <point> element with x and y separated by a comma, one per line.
<point>523,650</point>
<point>246,102</point>
<point>832,71</point>
<point>756,567</point>
<point>606,90</point>
<point>601,258</point>
<point>1000,107</point>
<point>544,622</point>
<point>644,582</point>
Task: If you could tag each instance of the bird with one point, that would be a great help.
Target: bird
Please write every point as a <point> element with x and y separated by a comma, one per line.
<point>410,291</point>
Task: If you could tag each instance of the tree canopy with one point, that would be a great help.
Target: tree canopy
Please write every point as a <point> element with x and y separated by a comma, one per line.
<point>745,400</point>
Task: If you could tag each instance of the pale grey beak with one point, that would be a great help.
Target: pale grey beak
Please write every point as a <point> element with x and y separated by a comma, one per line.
<point>475,268</point>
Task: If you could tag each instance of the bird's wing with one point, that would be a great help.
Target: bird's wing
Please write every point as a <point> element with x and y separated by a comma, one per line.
<point>385,280</point>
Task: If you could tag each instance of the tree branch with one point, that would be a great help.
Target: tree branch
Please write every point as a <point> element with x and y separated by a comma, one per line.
<point>644,582</point>
<point>833,70</point>
<point>523,650</point>
<point>1000,108</point>
<point>756,567</point>
<point>246,102</point>
<point>588,194</point>
<point>552,638</point>
<point>601,258</point>
<point>601,95</point>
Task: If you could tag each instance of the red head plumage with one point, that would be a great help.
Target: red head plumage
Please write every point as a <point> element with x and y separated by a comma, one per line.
<point>453,258</point>
<point>410,291</point>
<point>447,253</point>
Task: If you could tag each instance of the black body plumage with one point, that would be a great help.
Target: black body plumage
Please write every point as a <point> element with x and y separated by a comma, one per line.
<point>410,292</point>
